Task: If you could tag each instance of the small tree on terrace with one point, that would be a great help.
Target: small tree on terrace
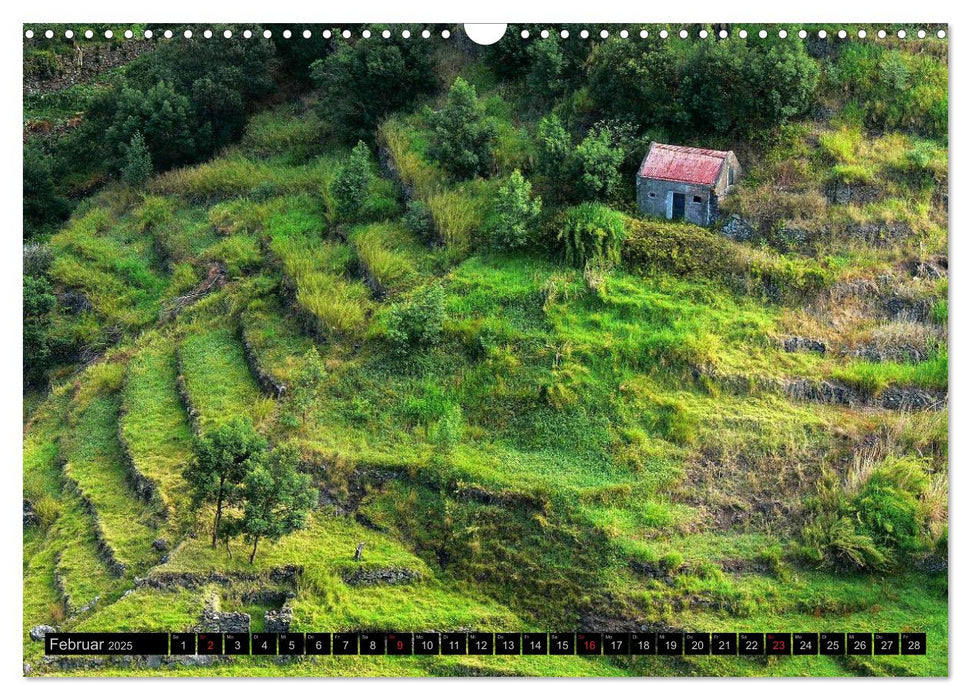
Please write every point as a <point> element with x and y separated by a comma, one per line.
<point>277,498</point>
<point>308,380</point>
<point>138,162</point>
<point>223,458</point>
<point>350,188</point>
<point>463,136</point>
<point>516,212</point>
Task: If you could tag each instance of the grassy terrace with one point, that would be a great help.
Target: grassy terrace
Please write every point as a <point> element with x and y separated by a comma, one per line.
<point>217,380</point>
<point>153,421</point>
<point>93,461</point>
<point>275,338</point>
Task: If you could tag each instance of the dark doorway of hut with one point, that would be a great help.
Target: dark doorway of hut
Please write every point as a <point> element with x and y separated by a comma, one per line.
<point>677,209</point>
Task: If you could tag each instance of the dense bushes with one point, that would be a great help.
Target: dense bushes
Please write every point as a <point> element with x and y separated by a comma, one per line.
<point>362,82</point>
<point>416,323</point>
<point>186,98</point>
<point>39,302</point>
<point>44,207</point>
<point>591,232</point>
<point>892,89</point>
<point>728,87</point>
<point>350,188</point>
<point>685,249</point>
<point>872,520</point>
<point>590,170</point>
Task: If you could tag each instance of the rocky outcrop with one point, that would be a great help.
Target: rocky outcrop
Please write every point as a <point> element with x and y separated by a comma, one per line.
<point>176,580</point>
<point>797,343</point>
<point>881,352</point>
<point>906,398</point>
<point>30,515</point>
<point>843,193</point>
<point>738,229</point>
<point>390,576</point>
<point>278,621</point>
<point>218,621</point>
<point>215,620</point>
<point>39,632</point>
<point>83,64</point>
<point>891,398</point>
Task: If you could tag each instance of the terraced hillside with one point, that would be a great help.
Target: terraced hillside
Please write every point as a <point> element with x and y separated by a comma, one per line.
<point>695,436</point>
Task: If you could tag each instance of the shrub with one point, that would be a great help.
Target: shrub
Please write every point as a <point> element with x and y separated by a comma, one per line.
<point>416,323</point>
<point>38,303</point>
<point>350,188</point>
<point>555,156</point>
<point>598,163</point>
<point>870,521</point>
<point>516,212</point>
<point>591,231</point>
<point>448,430</point>
<point>43,205</point>
<point>418,219</point>
<point>137,165</point>
<point>682,249</point>
<point>462,136</point>
<point>833,540</point>
<point>888,507</point>
<point>153,212</point>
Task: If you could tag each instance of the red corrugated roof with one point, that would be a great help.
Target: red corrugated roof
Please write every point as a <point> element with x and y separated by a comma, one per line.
<point>697,166</point>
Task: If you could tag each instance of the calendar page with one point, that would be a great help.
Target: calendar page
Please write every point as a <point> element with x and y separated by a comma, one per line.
<point>441,350</point>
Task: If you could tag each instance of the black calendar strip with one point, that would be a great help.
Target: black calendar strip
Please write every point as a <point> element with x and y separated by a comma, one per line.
<point>491,643</point>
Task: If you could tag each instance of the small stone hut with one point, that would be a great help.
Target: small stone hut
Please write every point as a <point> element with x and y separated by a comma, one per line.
<point>684,183</point>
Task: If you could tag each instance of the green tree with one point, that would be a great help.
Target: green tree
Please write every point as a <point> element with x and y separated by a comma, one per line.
<point>39,301</point>
<point>276,498</point>
<point>138,162</point>
<point>555,150</point>
<point>221,461</point>
<point>463,136</point>
<point>43,206</point>
<point>635,80</point>
<point>598,162</point>
<point>733,87</point>
<point>303,394</point>
<point>516,212</point>
<point>350,188</point>
<point>161,115</point>
<point>362,82</point>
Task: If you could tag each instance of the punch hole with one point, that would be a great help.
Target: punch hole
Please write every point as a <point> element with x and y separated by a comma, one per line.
<point>484,34</point>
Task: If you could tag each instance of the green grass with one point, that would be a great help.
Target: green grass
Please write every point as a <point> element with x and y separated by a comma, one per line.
<point>94,461</point>
<point>873,378</point>
<point>275,338</point>
<point>153,420</point>
<point>112,265</point>
<point>388,255</point>
<point>217,378</point>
